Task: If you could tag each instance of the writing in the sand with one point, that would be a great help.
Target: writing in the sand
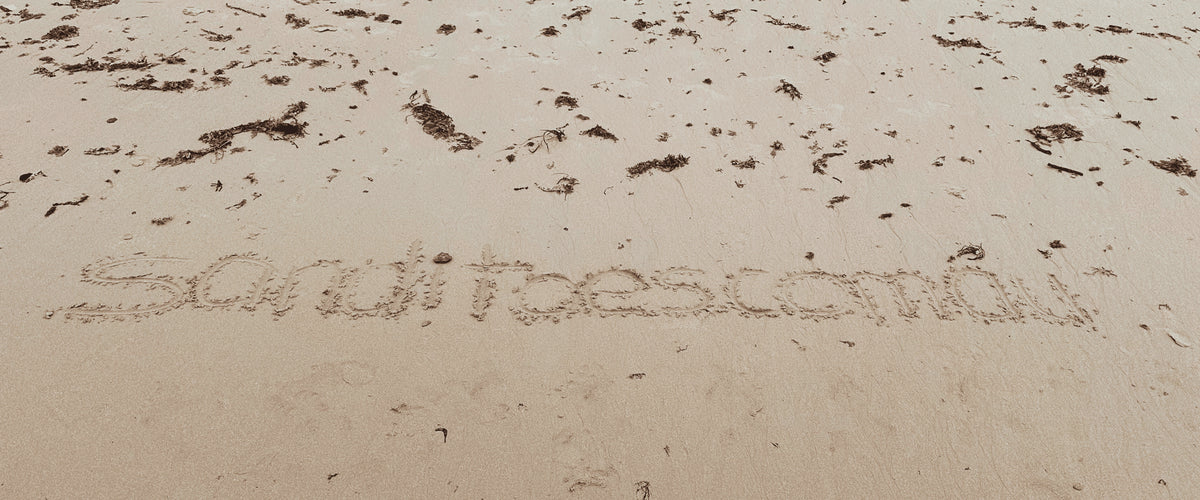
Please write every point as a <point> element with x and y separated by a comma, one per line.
<point>158,285</point>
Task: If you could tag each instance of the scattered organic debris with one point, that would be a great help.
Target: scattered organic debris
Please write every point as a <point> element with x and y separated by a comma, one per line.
<point>1044,136</point>
<point>437,124</point>
<point>549,31</point>
<point>352,13</point>
<point>1087,80</point>
<point>788,89</point>
<point>1028,22</point>
<point>826,57</point>
<point>104,151</point>
<point>836,199</point>
<point>446,29</point>
<point>296,22</point>
<point>869,164</point>
<point>776,147</point>
<point>577,13</point>
<point>360,85</point>
<point>213,36</point>
<point>599,132</point>
<point>1065,169</point>
<point>962,42</point>
<point>667,164</point>
<point>75,202</point>
<point>110,66</point>
<point>971,252</point>
<point>564,186</point>
<point>779,22</point>
<point>239,9</point>
<point>748,163</point>
<point>285,128</point>
<point>63,32</point>
<point>1057,245</point>
<point>1178,166</point>
<point>566,100</point>
<point>1110,58</point>
<point>641,24</point>
<point>281,80</point>
<point>58,151</point>
<point>162,221</point>
<point>92,4</point>
<point>148,82</point>
<point>538,142</point>
<point>820,164</point>
<point>726,14</point>
<point>676,32</point>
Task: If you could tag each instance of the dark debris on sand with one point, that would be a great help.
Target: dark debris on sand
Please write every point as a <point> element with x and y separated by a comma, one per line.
<point>1048,134</point>
<point>880,162</point>
<point>1178,166</point>
<point>599,132</point>
<point>962,42</point>
<point>826,57</point>
<point>788,89</point>
<point>285,128</point>
<point>437,124</point>
<point>820,164</point>
<point>92,4</point>
<point>748,163</point>
<point>296,22</point>
<point>63,32</point>
<point>352,13</point>
<point>148,82</point>
<point>1087,80</point>
<point>667,164</point>
<point>109,66</point>
<point>779,22</point>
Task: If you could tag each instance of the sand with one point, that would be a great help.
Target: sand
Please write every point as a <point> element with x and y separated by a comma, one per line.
<point>736,249</point>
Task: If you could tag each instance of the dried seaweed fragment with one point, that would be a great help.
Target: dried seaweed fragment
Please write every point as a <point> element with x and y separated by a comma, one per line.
<point>788,89</point>
<point>285,128</point>
<point>779,22</point>
<point>962,42</point>
<point>1178,166</point>
<point>148,82</point>
<point>438,124</point>
<point>1087,80</point>
<point>667,164</point>
<point>599,132</point>
<point>92,4</point>
<point>1046,135</point>
<point>879,162</point>
<point>63,32</point>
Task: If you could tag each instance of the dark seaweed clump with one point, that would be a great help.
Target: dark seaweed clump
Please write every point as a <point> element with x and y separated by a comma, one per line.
<point>599,132</point>
<point>148,82</point>
<point>1047,134</point>
<point>285,128</point>
<point>94,65</point>
<point>1177,166</point>
<point>962,42</point>
<point>92,4</point>
<point>62,33</point>
<point>667,164</point>
<point>440,126</point>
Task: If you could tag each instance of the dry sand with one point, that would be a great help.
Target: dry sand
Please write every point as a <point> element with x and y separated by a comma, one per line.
<point>734,249</point>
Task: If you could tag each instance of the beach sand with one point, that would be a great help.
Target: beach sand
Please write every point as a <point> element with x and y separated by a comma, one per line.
<point>536,249</point>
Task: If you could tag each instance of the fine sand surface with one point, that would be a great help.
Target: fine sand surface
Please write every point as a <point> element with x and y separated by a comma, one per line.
<point>725,249</point>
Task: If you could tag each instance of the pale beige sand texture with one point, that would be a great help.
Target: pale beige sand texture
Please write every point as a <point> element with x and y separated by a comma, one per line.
<point>871,274</point>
